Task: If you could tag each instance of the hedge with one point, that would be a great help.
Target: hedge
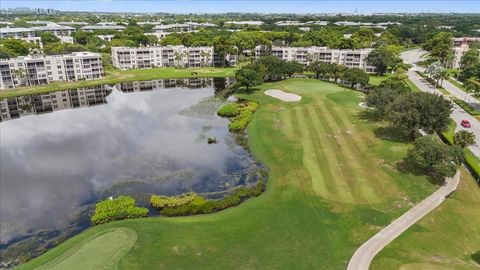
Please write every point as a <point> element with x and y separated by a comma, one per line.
<point>467,107</point>
<point>201,205</point>
<point>240,114</point>
<point>122,207</point>
<point>472,162</point>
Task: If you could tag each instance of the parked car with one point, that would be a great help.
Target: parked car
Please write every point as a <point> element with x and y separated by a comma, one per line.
<point>465,123</point>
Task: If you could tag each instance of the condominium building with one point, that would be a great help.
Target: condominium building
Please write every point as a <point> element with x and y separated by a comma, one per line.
<point>457,42</point>
<point>162,56</point>
<point>177,27</point>
<point>307,55</point>
<point>16,107</point>
<point>104,26</point>
<point>40,69</point>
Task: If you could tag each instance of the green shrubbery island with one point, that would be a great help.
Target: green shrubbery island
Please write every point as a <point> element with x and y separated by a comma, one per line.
<point>191,203</point>
<point>122,207</point>
<point>240,114</point>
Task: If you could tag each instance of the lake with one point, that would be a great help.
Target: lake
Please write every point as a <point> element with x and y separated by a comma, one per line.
<point>63,151</point>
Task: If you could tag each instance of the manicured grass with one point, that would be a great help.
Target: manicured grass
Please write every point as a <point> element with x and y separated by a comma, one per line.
<point>115,76</point>
<point>444,239</point>
<point>377,79</point>
<point>102,251</point>
<point>333,183</point>
<point>412,86</point>
<point>467,107</point>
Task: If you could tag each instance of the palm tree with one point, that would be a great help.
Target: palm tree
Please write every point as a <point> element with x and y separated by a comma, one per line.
<point>464,138</point>
<point>20,73</point>
<point>179,59</point>
<point>205,58</point>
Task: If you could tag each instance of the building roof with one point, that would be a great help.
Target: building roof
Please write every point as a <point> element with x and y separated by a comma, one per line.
<point>51,27</point>
<point>73,23</point>
<point>15,29</point>
<point>245,22</point>
<point>170,26</point>
<point>103,27</point>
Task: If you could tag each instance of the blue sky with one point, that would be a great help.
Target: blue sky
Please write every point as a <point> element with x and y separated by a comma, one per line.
<point>218,6</point>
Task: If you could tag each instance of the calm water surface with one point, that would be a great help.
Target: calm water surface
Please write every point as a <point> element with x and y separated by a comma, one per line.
<point>57,160</point>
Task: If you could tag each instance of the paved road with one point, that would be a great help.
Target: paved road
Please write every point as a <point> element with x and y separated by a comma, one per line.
<point>458,114</point>
<point>364,255</point>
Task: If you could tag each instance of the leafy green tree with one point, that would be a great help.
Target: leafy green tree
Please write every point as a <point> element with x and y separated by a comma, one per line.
<point>62,48</point>
<point>292,67</point>
<point>321,69</point>
<point>83,37</point>
<point>383,95</point>
<point>364,37</point>
<point>464,138</point>
<point>439,159</point>
<point>48,38</point>
<point>275,68</point>
<point>338,71</point>
<point>384,58</point>
<point>171,40</point>
<point>323,37</point>
<point>16,47</point>
<point>440,47</point>
<point>420,110</point>
<point>387,38</point>
<point>355,76</point>
<point>248,78</point>
<point>470,59</point>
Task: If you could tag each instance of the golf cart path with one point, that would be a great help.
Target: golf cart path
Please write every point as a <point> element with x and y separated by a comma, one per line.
<point>364,255</point>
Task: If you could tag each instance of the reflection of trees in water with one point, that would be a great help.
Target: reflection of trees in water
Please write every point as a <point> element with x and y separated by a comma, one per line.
<point>205,109</point>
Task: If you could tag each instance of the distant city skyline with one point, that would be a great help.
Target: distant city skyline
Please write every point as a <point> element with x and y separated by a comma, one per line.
<point>223,6</point>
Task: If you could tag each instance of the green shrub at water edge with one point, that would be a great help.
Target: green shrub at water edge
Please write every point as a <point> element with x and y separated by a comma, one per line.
<point>122,207</point>
<point>229,110</point>
<point>200,205</point>
<point>160,202</point>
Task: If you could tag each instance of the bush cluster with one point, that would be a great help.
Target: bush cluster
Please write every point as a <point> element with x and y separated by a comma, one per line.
<point>122,207</point>
<point>201,205</point>
<point>160,202</point>
<point>240,114</point>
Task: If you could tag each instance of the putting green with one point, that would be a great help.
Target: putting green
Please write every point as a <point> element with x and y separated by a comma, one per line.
<point>102,251</point>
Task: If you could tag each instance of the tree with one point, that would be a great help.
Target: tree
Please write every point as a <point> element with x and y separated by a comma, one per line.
<point>355,76</point>
<point>275,68</point>
<point>420,110</point>
<point>321,68</point>
<point>364,38</point>
<point>248,77</point>
<point>292,67</point>
<point>48,38</point>
<point>440,47</point>
<point>384,58</point>
<point>338,71</point>
<point>21,74</point>
<point>470,59</point>
<point>383,95</point>
<point>464,138</point>
<point>16,47</point>
<point>437,158</point>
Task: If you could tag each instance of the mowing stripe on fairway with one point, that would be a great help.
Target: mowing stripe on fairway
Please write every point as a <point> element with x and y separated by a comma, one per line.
<point>369,174</point>
<point>101,251</point>
<point>351,167</point>
<point>336,170</point>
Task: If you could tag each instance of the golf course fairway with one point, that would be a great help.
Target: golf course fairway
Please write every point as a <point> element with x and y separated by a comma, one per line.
<point>335,179</point>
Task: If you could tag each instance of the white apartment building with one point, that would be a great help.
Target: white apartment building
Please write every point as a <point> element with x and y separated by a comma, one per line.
<point>307,55</point>
<point>91,28</point>
<point>457,42</point>
<point>16,107</point>
<point>161,56</point>
<point>177,27</point>
<point>40,69</point>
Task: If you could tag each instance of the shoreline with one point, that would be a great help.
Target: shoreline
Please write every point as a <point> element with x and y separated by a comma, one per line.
<point>117,76</point>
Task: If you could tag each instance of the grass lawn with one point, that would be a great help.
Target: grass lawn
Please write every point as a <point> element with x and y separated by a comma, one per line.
<point>377,79</point>
<point>333,183</point>
<point>115,76</point>
<point>444,239</point>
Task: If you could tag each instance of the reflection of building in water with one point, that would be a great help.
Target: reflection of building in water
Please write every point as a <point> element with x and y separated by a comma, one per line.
<point>16,107</point>
<point>138,86</point>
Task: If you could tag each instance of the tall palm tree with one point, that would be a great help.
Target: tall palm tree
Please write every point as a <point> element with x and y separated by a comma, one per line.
<point>205,58</point>
<point>20,73</point>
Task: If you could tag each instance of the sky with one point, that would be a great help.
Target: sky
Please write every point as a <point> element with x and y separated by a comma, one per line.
<point>221,6</point>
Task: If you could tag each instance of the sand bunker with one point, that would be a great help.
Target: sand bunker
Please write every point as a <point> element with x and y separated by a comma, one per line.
<point>283,95</point>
